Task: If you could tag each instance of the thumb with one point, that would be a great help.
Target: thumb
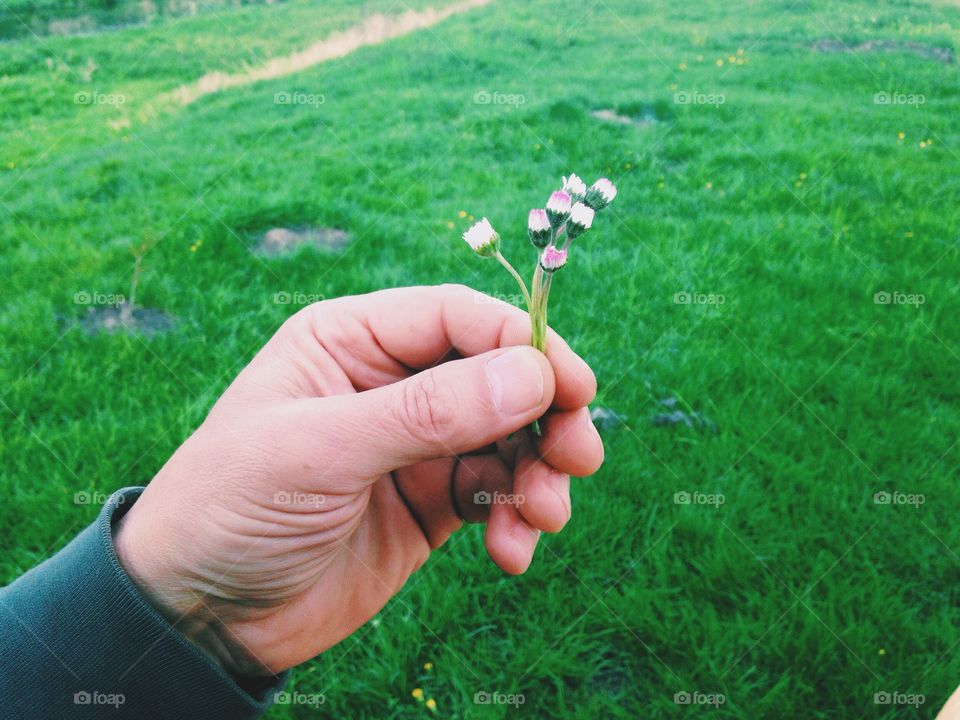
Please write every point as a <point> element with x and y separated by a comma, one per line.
<point>446,410</point>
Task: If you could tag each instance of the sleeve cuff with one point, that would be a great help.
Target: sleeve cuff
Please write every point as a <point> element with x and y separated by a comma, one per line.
<point>79,640</point>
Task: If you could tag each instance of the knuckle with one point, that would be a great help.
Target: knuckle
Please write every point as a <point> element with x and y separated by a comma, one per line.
<point>317,320</point>
<point>458,291</point>
<point>457,288</point>
<point>317,312</point>
<point>305,319</point>
<point>424,411</point>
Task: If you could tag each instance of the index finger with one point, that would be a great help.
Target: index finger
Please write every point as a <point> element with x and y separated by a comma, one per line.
<point>420,326</point>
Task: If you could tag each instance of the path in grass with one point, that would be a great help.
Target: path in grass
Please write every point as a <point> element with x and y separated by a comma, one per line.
<point>373,30</point>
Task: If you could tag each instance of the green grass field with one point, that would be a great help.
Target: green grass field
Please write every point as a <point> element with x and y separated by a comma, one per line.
<point>767,195</point>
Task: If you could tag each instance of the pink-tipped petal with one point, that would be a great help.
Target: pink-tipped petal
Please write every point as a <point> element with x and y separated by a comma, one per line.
<point>553,258</point>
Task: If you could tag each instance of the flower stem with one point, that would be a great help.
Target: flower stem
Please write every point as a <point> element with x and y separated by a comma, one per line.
<point>537,337</point>
<point>538,323</point>
<point>516,276</point>
<point>545,296</point>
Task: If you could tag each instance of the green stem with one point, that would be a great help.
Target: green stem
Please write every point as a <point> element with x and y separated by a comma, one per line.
<point>538,325</point>
<point>537,337</point>
<point>544,297</point>
<point>516,276</point>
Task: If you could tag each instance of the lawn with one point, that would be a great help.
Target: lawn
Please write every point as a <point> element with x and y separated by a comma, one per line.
<point>770,307</point>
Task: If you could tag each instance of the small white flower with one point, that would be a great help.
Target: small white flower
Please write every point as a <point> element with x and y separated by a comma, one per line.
<point>600,194</point>
<point>581,219</point>
<point>558,208</point>
<point>559,202</point>
<point>537,220</point>
<point>553,258</point>
<point>538,227</point>
<point>606,188</point>
<point>482,238</point>
<point>575,186</point>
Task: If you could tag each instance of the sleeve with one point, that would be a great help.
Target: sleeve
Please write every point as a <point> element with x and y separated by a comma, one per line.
<point>78,640</point>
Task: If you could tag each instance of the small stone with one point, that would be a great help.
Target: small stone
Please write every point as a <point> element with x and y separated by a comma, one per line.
<point>605,418</point>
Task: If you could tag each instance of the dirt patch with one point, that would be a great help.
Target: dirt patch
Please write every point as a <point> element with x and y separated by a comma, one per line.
<point>673,414</point>
<point>927,52</point>
<point>283,240</point>
<point>605,418</point>
<point>73,26</point>
<point>612,116</point>
<point>142,321</point>
<point>372,31</point>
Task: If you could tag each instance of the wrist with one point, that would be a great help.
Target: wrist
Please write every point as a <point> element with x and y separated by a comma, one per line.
<point>186,609</point>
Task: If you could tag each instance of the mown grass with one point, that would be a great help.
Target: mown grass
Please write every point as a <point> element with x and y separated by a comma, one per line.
<point>795,200</point>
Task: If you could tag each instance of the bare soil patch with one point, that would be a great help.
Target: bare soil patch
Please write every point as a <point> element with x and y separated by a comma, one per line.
<point>283,240</point>
<point>612,116</point>
<point>141,321</point>
<point>927,52</point>
<point>605,418</point>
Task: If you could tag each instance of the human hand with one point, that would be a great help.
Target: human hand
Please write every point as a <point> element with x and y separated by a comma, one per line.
<point>338,459</point>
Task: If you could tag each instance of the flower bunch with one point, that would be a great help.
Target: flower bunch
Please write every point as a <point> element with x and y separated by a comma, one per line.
<point>569,213</point>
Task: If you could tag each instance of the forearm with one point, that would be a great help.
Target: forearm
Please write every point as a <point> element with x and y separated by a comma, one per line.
<point>78,639</point>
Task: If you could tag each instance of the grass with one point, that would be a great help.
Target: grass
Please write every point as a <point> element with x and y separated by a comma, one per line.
<point>795,200</point>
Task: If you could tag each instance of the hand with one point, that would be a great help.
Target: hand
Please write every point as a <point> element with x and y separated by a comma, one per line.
<point>337,460</point>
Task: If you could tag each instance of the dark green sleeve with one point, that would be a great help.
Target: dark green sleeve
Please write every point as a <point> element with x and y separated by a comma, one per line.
<point>77,640</point>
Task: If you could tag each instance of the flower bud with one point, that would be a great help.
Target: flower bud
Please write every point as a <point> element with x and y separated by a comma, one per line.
<point>600,194</point>
<point>581,219</point>
<point>482,238</point>
<point>576,187</point>
<point>558,208</point>
<point>552,258</point>
<point>538,227</point>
